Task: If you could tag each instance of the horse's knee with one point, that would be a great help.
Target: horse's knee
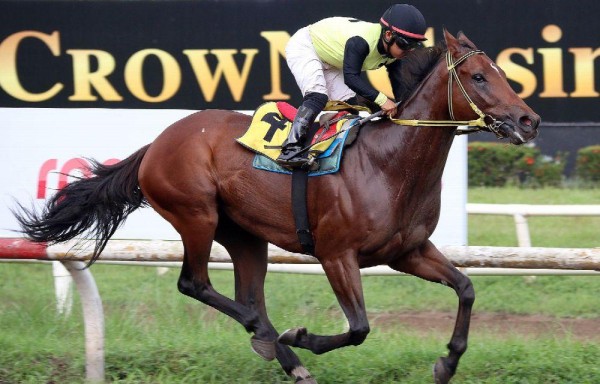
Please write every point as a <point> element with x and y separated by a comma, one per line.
<point>193,289</point>
<point>466,292</point>
<point>186,287</point>
<point>358,335</point>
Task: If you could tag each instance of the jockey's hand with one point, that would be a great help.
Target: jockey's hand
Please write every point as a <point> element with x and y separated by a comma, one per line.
<point>389,108</point>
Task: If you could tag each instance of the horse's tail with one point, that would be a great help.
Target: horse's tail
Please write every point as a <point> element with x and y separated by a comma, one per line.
<point>94,206</point>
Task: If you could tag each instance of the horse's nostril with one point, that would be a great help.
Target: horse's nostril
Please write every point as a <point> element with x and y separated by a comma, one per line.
<point>526,121</point>
<point>529,123</point>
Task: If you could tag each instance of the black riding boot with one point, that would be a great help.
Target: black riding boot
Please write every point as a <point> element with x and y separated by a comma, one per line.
<point>291,155</point>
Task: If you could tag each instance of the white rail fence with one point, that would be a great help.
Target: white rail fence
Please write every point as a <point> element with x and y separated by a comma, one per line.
<point>524,260</point>
<point>520,213</point>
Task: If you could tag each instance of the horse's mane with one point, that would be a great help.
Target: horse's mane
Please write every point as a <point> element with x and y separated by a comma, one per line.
<point>409,72</point>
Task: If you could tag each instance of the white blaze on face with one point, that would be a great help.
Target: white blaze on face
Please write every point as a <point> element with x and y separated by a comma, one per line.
<point>496,68</point>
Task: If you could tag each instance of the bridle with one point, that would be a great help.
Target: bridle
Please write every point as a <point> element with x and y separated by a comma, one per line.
<point>472,125</point>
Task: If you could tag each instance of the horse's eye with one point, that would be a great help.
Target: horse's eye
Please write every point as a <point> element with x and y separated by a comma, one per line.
<point>478,77</point>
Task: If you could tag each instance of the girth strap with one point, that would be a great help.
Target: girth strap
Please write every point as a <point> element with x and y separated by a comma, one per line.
<point>300,211</point>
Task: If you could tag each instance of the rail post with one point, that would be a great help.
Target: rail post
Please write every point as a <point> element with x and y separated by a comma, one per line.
<point>93,317</point>
<point>63,288</point>
<point>522,227</point>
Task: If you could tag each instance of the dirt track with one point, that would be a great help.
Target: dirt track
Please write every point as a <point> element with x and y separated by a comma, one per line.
<point>504,325</point>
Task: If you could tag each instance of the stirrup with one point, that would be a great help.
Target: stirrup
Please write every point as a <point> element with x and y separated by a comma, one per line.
<point>292,157</point>
<point>298,162</point>
<point>292,161</point>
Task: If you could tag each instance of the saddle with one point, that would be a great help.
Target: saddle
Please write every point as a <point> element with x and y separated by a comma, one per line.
<point>272,122</point>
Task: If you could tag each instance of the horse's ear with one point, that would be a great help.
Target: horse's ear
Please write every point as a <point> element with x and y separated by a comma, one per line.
<point>451,41</point>
<point>464,40</point>
<point>456,44</point>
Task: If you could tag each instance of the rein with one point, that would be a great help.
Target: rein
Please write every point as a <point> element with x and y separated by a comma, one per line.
<point>474,125</point>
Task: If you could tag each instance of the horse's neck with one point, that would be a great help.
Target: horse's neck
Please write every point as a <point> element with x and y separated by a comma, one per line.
<point>399,147</point>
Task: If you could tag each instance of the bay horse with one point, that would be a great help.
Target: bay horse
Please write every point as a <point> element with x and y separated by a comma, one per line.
<point>382,205</point>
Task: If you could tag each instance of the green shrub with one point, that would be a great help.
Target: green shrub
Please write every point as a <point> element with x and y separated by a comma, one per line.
<point>495,165</point>
<point>549,171</point>
<point>587,166</point>
<point>490,164</point>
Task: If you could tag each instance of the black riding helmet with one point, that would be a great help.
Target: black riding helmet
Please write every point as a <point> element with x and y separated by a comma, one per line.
<point>407,25</point>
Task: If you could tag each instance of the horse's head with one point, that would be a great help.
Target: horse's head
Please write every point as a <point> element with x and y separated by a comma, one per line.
<point>503,111</point>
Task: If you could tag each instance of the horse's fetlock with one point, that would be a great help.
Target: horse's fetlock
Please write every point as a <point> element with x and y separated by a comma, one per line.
<point>458,346</point>
<point>358,335</point>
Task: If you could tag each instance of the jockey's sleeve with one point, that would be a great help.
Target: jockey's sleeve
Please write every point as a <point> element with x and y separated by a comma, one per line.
<point>355,53</point>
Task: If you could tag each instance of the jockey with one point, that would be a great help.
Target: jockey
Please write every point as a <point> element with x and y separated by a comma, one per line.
<point>327,58</point>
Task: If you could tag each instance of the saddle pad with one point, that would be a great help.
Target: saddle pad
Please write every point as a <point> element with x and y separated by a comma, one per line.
<point>329,161</point>
<point>269,129</point>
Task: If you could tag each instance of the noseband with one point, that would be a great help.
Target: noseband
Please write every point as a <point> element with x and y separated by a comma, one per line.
<point>473,125</point>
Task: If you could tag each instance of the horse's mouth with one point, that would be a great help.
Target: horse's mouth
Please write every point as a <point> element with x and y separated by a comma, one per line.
<point>517,136</point>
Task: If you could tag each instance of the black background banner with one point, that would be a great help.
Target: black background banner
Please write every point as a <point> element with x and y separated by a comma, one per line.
<point>146,50</point>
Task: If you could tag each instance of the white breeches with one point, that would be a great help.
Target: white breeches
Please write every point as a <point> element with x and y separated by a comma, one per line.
<point>313,75</point>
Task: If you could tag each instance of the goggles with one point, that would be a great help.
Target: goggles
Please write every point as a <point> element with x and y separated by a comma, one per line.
<point>407,44</point>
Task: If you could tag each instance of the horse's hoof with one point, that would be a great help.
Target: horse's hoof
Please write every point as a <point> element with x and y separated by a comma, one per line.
<point>302,376</point>
<point>441,372</point>
<point>290,336</point>
<point>306,380</point>
<point>264,349</point>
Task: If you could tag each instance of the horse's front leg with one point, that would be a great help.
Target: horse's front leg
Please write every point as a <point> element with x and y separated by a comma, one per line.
<point>343,274</point>
<point>249,256</point>
<point>427,262</point>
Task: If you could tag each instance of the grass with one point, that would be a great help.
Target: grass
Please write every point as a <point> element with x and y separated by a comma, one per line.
<point>156,335</point>
<point>514,195</point>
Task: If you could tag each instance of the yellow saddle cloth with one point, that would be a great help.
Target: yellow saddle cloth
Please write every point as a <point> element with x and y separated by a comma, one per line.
<point>271,125</point>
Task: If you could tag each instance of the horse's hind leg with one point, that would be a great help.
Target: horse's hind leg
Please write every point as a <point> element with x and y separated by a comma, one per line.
<point>197,238</point>
<point>428,263</point>
<point>249,256</point>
